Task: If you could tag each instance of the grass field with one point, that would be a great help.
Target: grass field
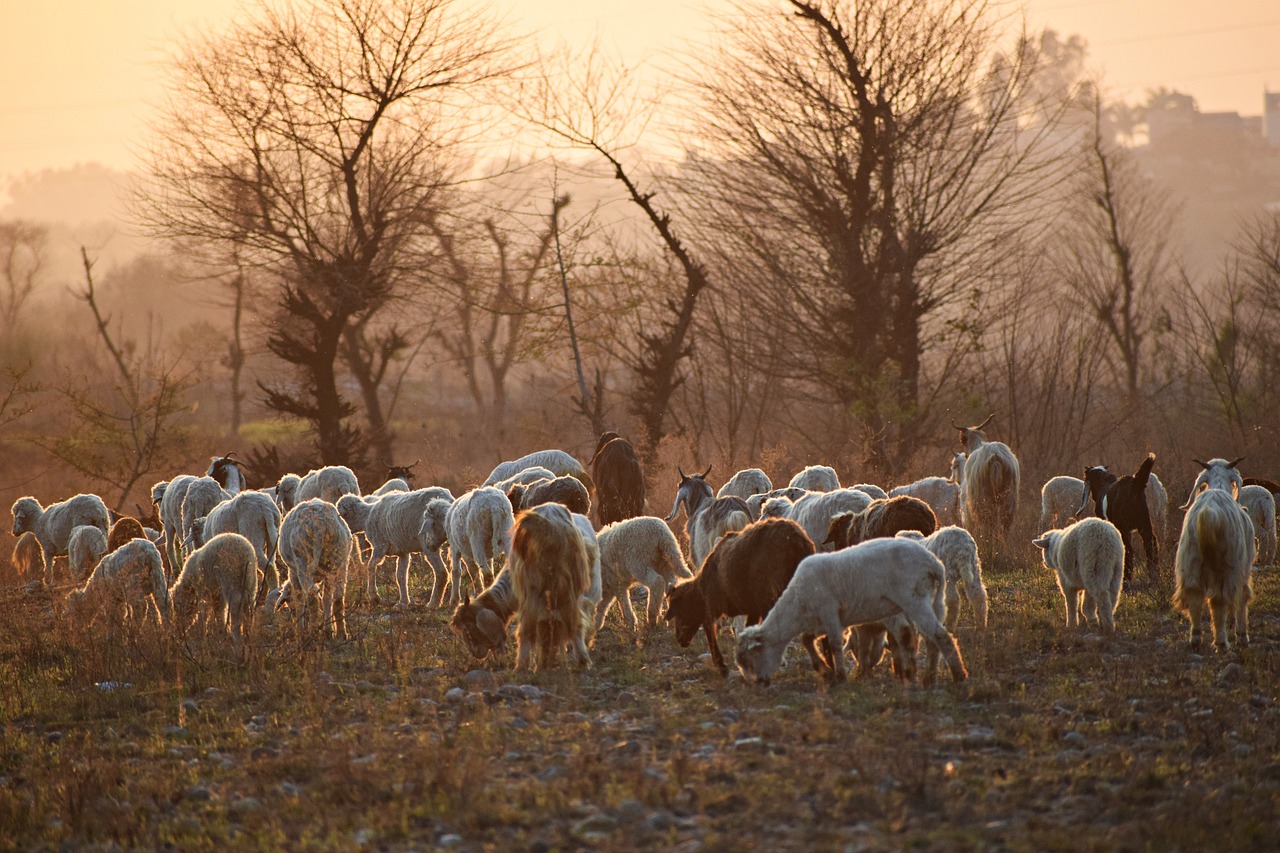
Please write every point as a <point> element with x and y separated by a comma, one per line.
<point>393,740</point>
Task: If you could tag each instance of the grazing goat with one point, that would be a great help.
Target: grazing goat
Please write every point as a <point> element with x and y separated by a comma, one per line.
<point>315,545</point>
<point>228,471</point>
<point>560,464</point>
<point>27,559</point>
<point>619,480</point>
<point>391,524</point>
<point>1261,506</point>
<point>567,491</point>
<point>640,550</point>
<point>482,621</point>
<point>52,525</point>
<point>126,527</point>
<point>743,576</point>
<point>477,527</point>
<point>551,572</point>
<point>221,575</point>
<point>707,518</point>
<point>942,496</point>
<point>202,495</point>
<point>1060,501</point>
<point>991,479</point>
<point>86,546</point>
<point>124,578</point>
<point>816,478</point>
<point>881,518</point>
<point>869,583</point>
<point>1088,558</point>
<point>745,483</point>
<point>1215,554</point>
<point>171,494</point>
<point>1123,502</point>
<point>955,547</point>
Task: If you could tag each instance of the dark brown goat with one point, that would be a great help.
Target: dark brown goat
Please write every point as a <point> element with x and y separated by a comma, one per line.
<point>1123,502</point>
<point>568,491</point>
<point>124,529</point>
<point>883,517</point>
<point>403,472</point>
<point>619,481</point>
<point>742,576</point>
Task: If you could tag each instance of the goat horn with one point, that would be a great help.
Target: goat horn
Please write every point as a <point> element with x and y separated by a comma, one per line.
<point>987,421</point>
<point>415,463</point>
<point>1204,465</point>
<point>704,474</point>
<point>954,426</point>
<point>1237,462</point>
<point>680,471</point>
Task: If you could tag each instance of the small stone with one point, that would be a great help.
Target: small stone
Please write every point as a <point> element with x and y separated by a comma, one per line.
<point>450,840</point>
<point>211,693</point>
<point>174,731</point>
<point>54,737</point>
<point>1074,739</point>
<point>1242,750</point>
<point>246,805</point>
<point>749,743</point>
<point>533,694</point>
<point>1230,674</point>
<point>189,705</point>
<point>631,811</point>
<point>519,723</point>
<point>362,837</point>
<point>594,828</point>
<point>480,678</point>
<point>661,821</point>
<point>262,752</point>
<point>365,759</point>
<point>551,773</point>
<point>454,695</point>
<point>290,790</point>
<point>199,794</point>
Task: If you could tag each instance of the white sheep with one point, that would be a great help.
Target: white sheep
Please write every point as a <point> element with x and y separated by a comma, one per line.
<point>640,550</point>
<point>745,483</point>
<point>559,463</point>
<point>220,580</point>
<point>955,547</point>
<point>254,516</point>
<point>171,495</point>
<point>816,478</point>
<point>815,510</point>
<point>315,545</point>
<point>1261,506</point>
<point>524,478</point>
<point>85,547</point>
<point>202,495</point>
<point>776,507</point>
<point>395,484</point>
<point>756,503</point>
<point>873,582</point>
<point>1215,555</point>
<point>130,575</point>
<point>391,524</point>
<point>52,525</point>
<point>942,496</point>
<point>1088,558</point>
<point>477,527</point>
<point>1060,501</point>
<point>991,480</point>
<point>328,484</point>
<point>872,491</point>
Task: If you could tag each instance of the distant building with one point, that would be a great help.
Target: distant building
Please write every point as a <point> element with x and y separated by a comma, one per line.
<point>1271,117</point>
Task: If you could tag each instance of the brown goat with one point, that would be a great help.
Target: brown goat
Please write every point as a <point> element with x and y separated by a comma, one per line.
<point>882,518</point>
<point>550,570</point>
<point>619,480</point>
<point>567,491</point>
<point>482,622</point>
<point>125,528</point>
<point>743,575</point>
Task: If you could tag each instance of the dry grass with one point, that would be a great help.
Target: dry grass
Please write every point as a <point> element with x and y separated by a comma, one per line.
<point>387,741</point>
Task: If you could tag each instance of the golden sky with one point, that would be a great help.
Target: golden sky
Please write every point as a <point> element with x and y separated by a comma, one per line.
<point>77,76</point>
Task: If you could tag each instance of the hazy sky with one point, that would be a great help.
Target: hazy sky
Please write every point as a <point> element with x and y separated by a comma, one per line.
<point>76,76</point>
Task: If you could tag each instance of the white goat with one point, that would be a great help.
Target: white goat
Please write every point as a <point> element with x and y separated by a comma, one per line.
<point>85,547</point>
<point>477,527</point>
<point>873,582</point>
<point>1215,554</point>
<point>220,579</point>
<point>52,525</point>
<point>643,551</point>
<point>128,576</point>
<point>816,478</point>
<point>1261,506</point>
<point>707,518</point>
<point>815,510</point>
<point>559,463</point>
<point>942,496</point>
<point>1088,558</point>
<point>745,483</point>
<point>955,547</point>
<point>1217,473</point>
<point>172,494</point>
<point>315,545</point>
<point>872,491</point>
<point>991,480</point>
<point>391,524</point>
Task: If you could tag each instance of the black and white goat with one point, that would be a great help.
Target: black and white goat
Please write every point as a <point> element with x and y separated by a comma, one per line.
<point>1123,502</point>
<point>708,517</point>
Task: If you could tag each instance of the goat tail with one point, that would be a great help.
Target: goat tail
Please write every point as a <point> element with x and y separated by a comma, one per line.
<point>1144,471</point>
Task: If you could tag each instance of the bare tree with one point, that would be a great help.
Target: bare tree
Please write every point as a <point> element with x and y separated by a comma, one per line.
<point>22,257</point>
<point>319,140</point>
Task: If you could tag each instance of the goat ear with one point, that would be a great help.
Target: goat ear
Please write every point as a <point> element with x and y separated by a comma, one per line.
<point>1041,543</point>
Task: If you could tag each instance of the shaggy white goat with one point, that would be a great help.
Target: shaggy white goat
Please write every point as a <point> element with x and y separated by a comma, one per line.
<point>85,547</point>
<point>816,478</point>
<point>1158,507</point>
<point>745,483</point>
<point>551,572</point>
<point>129,576</point>
<point>942,496</point>
<point>1261,506</point>
<point>1088,558</point>
<point>52,525</point>
<point>477,527</point>
<point>220,581</point>
<point>955,547</point>
<point>559,463</point>
<point>815,510</point>
<point>391,524</point>
<point>315,545</point>
<point>643,551</point>
<point>869,583</point>
<point>254,516</point>
<point>1215,554</point>
<point>1060,501</point>
<point>991,480</point>
<point>707,518</point>
<point>956,473</point>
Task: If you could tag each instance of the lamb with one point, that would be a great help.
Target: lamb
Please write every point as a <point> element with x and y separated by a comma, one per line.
<point>814,511</point>
<point>1088,558</point>
<point>477,527</point>
<point>745,483</point>
<point>1215,554</point>
<point>254,516</point>
<point>562,490</point>
<point>1060,501</point>
<point>991,479</point>
<point>328,484</point>
<point>52,525</point>
<point>955,547</point>
<point>1261,506</point>
<point>942,496</point>
<point>561,464</point>
<point>482,622</point>
<point>619,479</point>
<point>640,550</point>
<point>85,547</point>
<point>391,524</point>
<point>203,494</point>
<point>123,579</point>
<point>551,572</point>
<point>881,518</point>
<point>1123,502</point>
<point>816,478</point>
<point>221,575</point>
<point>707,518</point>
<point>743,576</point>
<point>228,471</point>
<point>27,559</point>
<point>868,583</point>
<point>315,545</point>
<point>126,527</point>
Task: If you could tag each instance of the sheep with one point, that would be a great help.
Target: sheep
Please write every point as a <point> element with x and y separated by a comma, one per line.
<point>881,518</point>
<point>707,518</point>
<point>1088,558</point>
<point>871,490</point>
<point>743,576</point>
<point>395,484</point>
<point>27,559</point>
<point>315,545</point>
<point>203,494</point>
<point>391,524</point>
<point>942,496</point>
<point>561,464</point>
<point>228,471</point>
<point>254,516</point>
<point>171,495</point>
<point>815,510</point>
<point>775,508</point>
<point>124,528</point>
<point>328,484</point>
<point>991,479</point>
<point>568,491</point>
<point>619,480</point>
<point>482,622</point>
<point>955,547</point>
<point>550,571</point>
<point>123,578</point>
<point>85,547</point>
<point>477,527</point>
<point>52,525</point>
<point>528,475</point>
<point>595,589</point>
<point>222,574</point>
<point>816,478</point>
<point>1260,504</point>
<point>1060,501</point>
<point>1123,502</point>
<point>1215,554</point>
<point>640,550</point>
<point>745,483</point>
<point>868,583</point>
<point>755,503</point>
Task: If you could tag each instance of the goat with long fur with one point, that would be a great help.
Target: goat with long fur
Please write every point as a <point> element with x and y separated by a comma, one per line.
<point>1215,555</point>
<point>315,546</point>
<point>52,525</point>
<point>638,551</point>
<point>1088,559</point>
<point>874,582</point>
<point>941,494</point>
<point>568,491</point>
<point>881,518</point>
<point>955,547</point>
<point>707,518</point>
<point>171,495</point>
<point>129,577</point>
<point>391,523</point>
<point>558,462</point>
<point>477,527</point>
<point>1123,502</point>
<point>550,571</point>
<point>814,511</point>
<point>219,581</point>
<point>482,622</point>
<point>743,576</point>
<point>1060,501</point>
<point>1217,473</point>
<point>86,546</point>
<point>27,559</point>
<point>745,483</point>
<point>1260,504</point>
<point>991,480</point>
<point>619,480</point>
<point>816,478</point>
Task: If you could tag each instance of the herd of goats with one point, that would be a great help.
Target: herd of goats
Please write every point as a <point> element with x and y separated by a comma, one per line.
<point>849,570</point>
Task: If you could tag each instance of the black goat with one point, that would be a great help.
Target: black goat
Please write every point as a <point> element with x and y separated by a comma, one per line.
<point>619,481</point>
<point>1123,502</point>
